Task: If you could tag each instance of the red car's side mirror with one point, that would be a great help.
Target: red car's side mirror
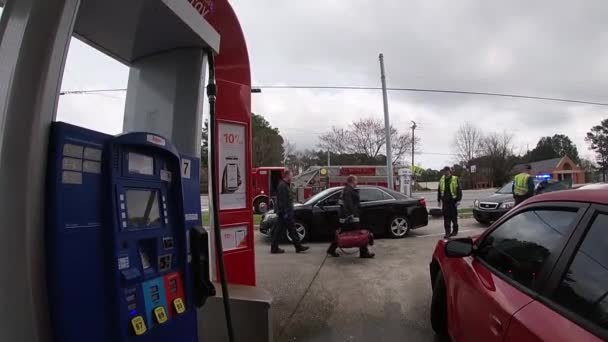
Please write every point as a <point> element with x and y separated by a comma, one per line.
<point>459,248</point>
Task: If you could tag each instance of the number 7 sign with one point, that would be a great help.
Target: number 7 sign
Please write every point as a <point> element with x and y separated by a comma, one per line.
<point>185,168</point>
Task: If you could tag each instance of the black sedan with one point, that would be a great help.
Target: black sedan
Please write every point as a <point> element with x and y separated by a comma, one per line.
<point>383,212</point>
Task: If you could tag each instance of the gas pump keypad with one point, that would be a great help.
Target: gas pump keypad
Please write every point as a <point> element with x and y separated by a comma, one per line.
<point>160,314</point>
<point>139,325</point>
<point>178,305</point>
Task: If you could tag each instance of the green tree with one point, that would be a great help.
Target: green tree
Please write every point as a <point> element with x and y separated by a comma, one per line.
<point>556,146</point>
<point>205,144</point>
<point>267,143</point>
<point>597,138</point>
<point>498,151</point>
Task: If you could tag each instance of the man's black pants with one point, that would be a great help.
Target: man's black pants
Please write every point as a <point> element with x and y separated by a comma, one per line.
<point>282,226</point>
<point>450,217</point>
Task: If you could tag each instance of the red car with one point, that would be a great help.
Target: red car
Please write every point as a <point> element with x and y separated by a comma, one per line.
<point>540,273</point>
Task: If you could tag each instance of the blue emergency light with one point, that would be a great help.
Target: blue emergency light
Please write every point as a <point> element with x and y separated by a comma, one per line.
<point>545,176</point>
<point>124,260</point>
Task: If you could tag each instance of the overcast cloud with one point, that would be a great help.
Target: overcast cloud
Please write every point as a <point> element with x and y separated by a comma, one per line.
<point>544,48</point>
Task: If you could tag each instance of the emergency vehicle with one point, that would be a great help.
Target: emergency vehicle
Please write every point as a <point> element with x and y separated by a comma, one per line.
<point>264,183</point>
<point>318,178</point>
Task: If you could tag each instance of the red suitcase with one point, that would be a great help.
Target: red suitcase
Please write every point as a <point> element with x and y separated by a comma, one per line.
<point>354,238</point>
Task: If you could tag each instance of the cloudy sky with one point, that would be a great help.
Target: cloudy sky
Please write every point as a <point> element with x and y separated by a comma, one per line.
<point>541,48</point>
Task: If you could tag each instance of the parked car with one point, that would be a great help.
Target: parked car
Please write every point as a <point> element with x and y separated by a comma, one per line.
<point>384,212</point>
<point>540,273</point>
<point>491,208</point>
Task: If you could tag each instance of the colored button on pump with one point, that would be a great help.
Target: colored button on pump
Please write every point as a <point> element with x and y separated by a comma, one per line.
<point>160,314</point>
<point>139,326</point>
<point>179,306</point>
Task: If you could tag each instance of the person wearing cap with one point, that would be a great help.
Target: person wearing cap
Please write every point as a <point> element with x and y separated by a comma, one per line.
<point>523,186</point>
<point>449,195</point>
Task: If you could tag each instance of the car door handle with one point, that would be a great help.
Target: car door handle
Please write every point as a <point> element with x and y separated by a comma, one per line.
<point>495,325</point>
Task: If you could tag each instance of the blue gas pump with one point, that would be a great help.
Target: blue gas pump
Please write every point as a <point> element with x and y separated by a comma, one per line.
<point>127,258</point>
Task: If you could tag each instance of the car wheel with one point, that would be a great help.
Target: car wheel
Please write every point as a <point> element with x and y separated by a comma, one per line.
<point>301,230</point>
<point>260,205</point>
<point>439,309</point>
<point>398,227</point>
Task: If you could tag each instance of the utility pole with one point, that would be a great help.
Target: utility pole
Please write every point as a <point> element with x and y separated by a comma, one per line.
<point>328,159</point>
<point>387,127</point>
<point>413,151</point>
<point>413,143</point>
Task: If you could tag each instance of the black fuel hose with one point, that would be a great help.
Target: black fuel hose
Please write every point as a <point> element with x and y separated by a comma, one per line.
<point>211,94</point>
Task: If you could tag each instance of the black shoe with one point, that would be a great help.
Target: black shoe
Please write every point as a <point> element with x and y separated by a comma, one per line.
<point>368,255</point>
<point>277,251</point>
<point>333,253</point>
<point>446,236</point>
<point>454,233</point>
<point>300,248</point>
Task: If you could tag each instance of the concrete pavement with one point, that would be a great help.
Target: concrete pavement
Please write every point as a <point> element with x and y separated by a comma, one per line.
<point>351,299</point>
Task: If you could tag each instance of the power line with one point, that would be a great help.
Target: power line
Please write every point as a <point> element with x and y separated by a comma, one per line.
<point>419,90</point>
<point>441,91</point>
<point>91,91</point>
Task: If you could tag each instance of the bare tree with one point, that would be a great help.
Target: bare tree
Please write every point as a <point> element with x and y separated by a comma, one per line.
<point>289,148</point>
<point>366,136</point>
<point>468,143</point>
<point>498,149</point>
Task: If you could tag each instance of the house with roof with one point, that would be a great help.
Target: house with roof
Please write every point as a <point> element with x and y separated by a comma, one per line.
<point>560,169</point>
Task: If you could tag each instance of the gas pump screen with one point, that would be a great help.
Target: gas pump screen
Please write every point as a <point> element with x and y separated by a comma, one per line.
<point>141,164</point>
<point>143,208</point>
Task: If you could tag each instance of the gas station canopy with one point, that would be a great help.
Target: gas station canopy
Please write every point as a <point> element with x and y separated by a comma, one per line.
<point>130,30</point>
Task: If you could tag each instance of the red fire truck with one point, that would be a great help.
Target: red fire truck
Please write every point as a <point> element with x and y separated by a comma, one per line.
<point>319,178</point>
<point>312,181</point>
<point>265,180</point>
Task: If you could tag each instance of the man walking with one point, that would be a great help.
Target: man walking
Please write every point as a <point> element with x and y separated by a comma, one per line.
<point>449,195</point>
<point>285,219</point>
<point>523,186</point>
<point>349,215</point>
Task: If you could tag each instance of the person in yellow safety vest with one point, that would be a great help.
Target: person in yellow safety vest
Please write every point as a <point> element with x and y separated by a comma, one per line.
<point>449,195</point>
<point>523,186</point>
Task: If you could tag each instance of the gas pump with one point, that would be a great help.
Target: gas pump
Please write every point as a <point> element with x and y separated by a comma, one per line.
<point>125,257</point>
<point>405,181</point>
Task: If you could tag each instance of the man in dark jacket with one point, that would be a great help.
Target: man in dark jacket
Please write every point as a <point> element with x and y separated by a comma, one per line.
<point>285,219</point>
<point>349,215</point>
<point>449,195</point>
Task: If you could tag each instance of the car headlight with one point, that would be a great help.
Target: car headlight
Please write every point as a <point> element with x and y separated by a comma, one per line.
<point>507,205</point>
<point>476,203</point>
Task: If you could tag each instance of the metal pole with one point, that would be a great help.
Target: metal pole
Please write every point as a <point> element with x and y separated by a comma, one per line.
<point>387,127</point>
<point>328,167</point>
<point>413,150</point>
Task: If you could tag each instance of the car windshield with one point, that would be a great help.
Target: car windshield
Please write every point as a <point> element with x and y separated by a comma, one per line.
<point>320,195</point>
<point>506,189</point>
